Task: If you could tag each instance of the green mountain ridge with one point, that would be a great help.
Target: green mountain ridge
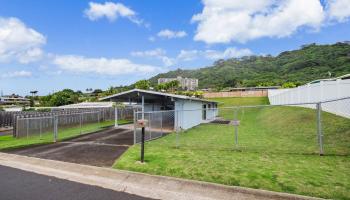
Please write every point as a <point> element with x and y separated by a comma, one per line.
<point>308,63</point>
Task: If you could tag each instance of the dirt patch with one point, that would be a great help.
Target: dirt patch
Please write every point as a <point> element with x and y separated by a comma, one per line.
<point>220,121</point>
<point>97,149</point>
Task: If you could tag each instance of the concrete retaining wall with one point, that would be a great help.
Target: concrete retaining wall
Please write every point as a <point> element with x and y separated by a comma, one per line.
<point>252,93</point>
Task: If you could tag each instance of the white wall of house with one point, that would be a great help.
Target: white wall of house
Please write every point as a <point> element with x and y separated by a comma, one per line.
<point>188,113</point>
<point>212,111</point>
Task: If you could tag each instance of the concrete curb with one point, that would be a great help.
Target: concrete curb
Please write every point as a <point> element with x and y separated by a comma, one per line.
<point>157,187</point>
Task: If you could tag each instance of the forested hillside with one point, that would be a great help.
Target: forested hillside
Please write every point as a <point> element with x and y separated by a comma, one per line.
<point>299,66</point>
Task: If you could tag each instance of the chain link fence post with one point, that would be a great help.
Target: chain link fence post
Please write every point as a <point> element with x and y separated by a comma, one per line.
<point>55,128</point>
<point>116,117</point>
<point>135,127</point>
<point>177,128</point>
<point>27,123</point>
<point>40,127</point>
<point>150,116</point>
<point>81,122</point>
<point>17,120</point>
<point>161,123</point>
<point>98,117</point>
<point>235,119</point>
<point>319,127</point>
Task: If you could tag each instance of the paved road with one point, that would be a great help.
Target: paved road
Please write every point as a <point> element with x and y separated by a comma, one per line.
<point>21,185</point>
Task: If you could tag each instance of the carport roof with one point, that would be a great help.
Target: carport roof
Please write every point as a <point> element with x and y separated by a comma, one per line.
<point>135,93</point>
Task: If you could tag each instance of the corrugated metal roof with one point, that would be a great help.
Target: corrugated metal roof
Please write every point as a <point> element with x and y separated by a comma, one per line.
<point>346,76</point>
<point>155,93</point>
<point>88,105</point>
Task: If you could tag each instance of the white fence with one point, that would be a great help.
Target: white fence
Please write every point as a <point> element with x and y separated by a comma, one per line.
<point>317,92</point>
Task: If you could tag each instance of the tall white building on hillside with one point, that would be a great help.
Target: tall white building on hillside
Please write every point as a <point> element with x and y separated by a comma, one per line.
<point>185,83</point>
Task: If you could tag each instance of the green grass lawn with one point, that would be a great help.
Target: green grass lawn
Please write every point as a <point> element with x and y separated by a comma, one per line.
<point>9,142</point>
<point>277,150</point>
<point>240,101</point>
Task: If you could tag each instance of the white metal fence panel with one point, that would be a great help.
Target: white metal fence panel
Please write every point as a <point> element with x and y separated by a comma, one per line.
<point>317,92</point>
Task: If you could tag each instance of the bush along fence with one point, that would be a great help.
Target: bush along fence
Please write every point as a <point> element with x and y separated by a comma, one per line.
<point>50,123</point>
<point>290,128</point>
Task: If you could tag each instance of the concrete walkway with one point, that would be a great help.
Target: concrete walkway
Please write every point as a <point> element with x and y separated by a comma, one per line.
<point>157,187</point>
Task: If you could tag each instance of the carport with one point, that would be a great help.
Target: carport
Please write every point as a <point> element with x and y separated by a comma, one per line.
<point>188,111</point>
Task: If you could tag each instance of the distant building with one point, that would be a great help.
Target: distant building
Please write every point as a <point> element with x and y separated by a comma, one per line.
<point>14,100</point>
<point>185,83</point>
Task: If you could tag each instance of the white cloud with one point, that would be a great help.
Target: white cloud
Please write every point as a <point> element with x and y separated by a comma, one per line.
<point>224,21</point>
<point>189,55</point>
<point>231,52</point>
<point>169,34</point>
<point>19,42</point>
<point>151,38</point>
<point>150,53</point>
<point>16,74</point>
<point>111,11</point>
<point>155,53</point>
<point>102,66</point>
<point>339,10</point>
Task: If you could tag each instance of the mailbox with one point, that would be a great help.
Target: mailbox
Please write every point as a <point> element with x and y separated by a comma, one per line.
<point>142,123</point>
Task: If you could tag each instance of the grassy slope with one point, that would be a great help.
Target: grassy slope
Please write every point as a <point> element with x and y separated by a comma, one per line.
<point>8,141</point>
<point>277,151</point>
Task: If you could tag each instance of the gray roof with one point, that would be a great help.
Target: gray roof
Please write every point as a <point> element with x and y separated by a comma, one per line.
<point>149,92</point>
<point>346,76</point>
<point>88,105</point>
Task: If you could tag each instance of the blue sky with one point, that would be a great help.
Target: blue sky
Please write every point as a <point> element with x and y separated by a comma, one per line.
<point>52,45</point>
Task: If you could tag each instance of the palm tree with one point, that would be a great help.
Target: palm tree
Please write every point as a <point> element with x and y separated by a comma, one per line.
<point>34,92</point>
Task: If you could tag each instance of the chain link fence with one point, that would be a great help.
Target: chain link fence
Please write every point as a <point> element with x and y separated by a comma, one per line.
<point>56,126</point>
<point>290,129</point>
<point>159,124</point>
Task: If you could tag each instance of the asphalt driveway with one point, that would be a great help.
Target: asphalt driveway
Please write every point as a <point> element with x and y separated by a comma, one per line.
<point>98,149</point>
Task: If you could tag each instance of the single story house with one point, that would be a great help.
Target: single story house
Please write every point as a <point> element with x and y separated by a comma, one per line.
<point>188,111</point>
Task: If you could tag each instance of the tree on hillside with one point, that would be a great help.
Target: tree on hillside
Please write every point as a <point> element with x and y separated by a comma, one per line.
<point>161,87</point>
<point>289,85</point>
<point>64,97</point>
<point>142,84</point>
<point>301,66</point>
<point>173,85</point>
<point>231,82</point>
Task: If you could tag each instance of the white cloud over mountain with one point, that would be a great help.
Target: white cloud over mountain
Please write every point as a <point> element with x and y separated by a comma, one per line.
<point>193,54</point>
<point>158,53</point>
<point>224,21</point>
<point>339,9</point>
<point>102,66</point>
<point>19,42</point>
<point>230,52</point>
